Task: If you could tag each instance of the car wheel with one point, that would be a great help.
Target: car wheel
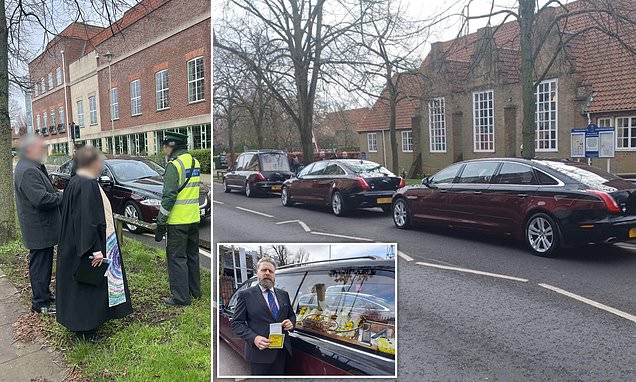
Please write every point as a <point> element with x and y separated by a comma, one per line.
<point>542,235</point>
<point>226,189</point>
<point>285,198</point>
<point>132,211</point>
<point>401,217</point>
<point>338,206</point>
<point>386,209</point>
<point>248,190</point>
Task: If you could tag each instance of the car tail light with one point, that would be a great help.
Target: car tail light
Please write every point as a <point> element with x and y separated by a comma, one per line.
<point>260,176</point>
<point>402,182</point>
<point>610,203</point>
<point>363,183</point>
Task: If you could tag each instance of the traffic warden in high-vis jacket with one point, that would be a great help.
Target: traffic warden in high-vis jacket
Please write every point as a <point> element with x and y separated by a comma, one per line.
<point>179,218</point>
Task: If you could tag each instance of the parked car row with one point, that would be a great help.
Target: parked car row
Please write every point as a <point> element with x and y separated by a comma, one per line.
<point>133,186</point>
<point>548,204</point>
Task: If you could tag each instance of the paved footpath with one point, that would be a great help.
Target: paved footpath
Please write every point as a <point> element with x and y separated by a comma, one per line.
<point>23,361</point>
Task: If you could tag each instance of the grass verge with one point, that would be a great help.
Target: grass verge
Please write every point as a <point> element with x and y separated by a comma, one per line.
<point>156,342</point>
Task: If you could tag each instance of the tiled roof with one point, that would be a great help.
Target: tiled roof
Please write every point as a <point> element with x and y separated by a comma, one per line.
<point>344,119</point>
<point>408,102</point>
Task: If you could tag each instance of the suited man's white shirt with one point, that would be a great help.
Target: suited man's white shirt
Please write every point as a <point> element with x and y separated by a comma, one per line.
<point>266,295</point>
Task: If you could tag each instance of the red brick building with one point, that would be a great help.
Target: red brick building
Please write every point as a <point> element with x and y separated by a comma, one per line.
<point>148,73</point>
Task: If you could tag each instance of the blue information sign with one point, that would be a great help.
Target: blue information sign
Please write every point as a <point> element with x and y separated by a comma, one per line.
<point>593,142</point>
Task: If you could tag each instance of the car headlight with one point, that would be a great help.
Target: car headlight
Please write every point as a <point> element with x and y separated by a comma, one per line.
<point>151,202</point>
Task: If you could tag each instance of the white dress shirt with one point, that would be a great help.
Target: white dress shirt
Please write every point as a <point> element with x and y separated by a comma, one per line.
<point>266,296</point>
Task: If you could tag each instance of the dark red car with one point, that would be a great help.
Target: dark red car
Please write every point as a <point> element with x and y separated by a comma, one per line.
<point>345,317</point>
<point>547,203</point>
<point>133,186</point>
<point>343,185</point>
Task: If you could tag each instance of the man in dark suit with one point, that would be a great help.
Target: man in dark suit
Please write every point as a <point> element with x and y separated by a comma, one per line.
<point>258,307</point>
<point>38,205</point>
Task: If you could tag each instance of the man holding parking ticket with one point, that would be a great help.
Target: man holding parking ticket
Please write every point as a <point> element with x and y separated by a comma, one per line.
<point>263,317</point>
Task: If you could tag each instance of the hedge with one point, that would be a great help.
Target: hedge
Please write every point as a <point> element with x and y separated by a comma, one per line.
<point>204,157</point>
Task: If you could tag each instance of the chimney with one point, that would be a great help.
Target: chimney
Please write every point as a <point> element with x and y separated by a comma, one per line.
<point>437,54</point>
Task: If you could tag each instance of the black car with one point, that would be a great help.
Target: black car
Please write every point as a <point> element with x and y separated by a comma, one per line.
<point>133,186</point>
<point>258,172</point>
<point>345,317</point>
<point>342,184</point>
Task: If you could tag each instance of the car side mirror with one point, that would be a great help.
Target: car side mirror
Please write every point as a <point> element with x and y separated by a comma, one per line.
<point>428,182</point>
<point>298,170</point>
<point>104,179</point>
<point>221,307</point>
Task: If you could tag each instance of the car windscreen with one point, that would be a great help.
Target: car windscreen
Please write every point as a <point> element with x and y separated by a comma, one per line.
<point>126,170</point>
<point>367,168</point>
<point>590,176</point>
<point>274,162</point>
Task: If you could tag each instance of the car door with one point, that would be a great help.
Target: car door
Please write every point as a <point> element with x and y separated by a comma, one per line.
<point>324,184</point>
<point>117,194</point>
<point>469,196</point>
<point>311,182</point>
<point>233,177</point>
<point>430,202</point>
<point>61,177</point>
<point>226,314</point>
<point>511,192</point>
<point>298,188</point>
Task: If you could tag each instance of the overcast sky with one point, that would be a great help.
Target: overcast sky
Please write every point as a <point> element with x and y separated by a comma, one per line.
<point>321,251</point>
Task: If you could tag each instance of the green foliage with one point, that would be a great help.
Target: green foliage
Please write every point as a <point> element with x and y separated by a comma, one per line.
<point>156,342</point>
<point>204,158</point>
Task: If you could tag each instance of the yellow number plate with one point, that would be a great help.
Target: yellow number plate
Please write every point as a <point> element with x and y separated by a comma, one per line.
<point>276,188</point>
<point>632,233</point>
<point>384,200</point>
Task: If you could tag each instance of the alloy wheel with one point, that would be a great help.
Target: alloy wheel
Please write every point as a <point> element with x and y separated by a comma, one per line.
<point>540,234</point>
<point>284,196</point>
<point>248,190</point>
<point>400,214</point>
<point>131,212</point>
<point>336,203</point>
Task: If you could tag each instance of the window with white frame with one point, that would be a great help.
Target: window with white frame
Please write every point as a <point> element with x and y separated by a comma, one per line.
<point>196,80</point>
<point>372,142</point>
<point>407,141</point>
<point>36,89</point>
<point>483,121</point>
<point>114,103</point>
<point>437,125</point>
<point>626,133</point>
<point>161,86</point>
<point>38,123</point>
<point>52,112</point>
<point>92,109</point>
<point>45,120</point>
<point>135,97</point>
<point>604,122</point>
<point>80,113</point>
<point>58,76</point>
<point>51,86</point>
<point>42,86</point>
<point>60,113</point>
<point>546,116</point>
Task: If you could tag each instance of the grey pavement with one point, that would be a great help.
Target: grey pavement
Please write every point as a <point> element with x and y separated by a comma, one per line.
<point>23,361</point>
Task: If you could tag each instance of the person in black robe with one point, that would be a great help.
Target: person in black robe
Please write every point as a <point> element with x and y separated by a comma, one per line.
<point>83,307</point>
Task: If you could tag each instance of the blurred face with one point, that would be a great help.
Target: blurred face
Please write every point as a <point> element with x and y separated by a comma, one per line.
<point>36,150</point>
<point>167,150</point>
<point>96,167</point>
<point>266,275</point>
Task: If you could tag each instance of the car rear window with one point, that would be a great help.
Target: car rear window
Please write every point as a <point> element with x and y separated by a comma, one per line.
<point>590,176</point>
<point>274,162</point>
<point>364,167</point>
<point>478,172</point>
<point>354,306</point>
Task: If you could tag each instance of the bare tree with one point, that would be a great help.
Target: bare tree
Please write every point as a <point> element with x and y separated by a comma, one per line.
<point>299,38</point>
<point>281,255</point>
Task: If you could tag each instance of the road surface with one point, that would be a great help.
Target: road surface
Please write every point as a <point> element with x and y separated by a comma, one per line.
<point>474,307</point>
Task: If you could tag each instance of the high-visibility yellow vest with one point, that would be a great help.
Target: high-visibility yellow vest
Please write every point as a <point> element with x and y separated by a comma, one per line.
<point>186,207</point>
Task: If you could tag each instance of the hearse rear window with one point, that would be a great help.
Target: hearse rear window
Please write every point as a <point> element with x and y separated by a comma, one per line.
<point>274,162</point>
<point>354,306</point>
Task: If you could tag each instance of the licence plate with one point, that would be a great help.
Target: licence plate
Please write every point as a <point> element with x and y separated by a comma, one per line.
<point>276,188</point>
<point>384,200</point>
<point>202,211</point>
<point>632,233</point>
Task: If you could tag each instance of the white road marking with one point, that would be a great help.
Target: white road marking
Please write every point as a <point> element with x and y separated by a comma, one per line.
<point>465,270</point>
<point>302,224</point>
<point>217,202</point>
<point>254,212</point>
<point>342,236</point>
<point>595,304</point>
<point>405,256</point>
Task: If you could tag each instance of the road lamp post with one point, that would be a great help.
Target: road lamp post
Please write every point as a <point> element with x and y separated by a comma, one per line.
<point>68,132</point>
<point>109,58</point>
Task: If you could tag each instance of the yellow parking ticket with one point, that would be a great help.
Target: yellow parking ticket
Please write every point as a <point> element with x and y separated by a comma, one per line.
<point>277,341</point>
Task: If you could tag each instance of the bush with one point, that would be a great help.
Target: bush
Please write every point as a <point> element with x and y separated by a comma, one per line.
<point>204,158</point>
<point>57,158</point>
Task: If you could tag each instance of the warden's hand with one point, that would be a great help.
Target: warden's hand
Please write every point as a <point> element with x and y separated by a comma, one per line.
<point>161,230</point>
<point>287,325</point>
<point>261,342</point>
<point>98,258</point>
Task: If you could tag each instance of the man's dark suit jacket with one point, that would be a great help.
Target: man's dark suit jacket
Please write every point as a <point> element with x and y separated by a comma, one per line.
<point>38,205</point>
<point>252,318</point>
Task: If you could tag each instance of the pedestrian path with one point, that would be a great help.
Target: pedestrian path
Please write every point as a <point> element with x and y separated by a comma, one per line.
<point>23,361</point>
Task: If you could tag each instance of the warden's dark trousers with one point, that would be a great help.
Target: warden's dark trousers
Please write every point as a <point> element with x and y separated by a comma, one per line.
<point>275,368</point>
<point>40,268</point>
<point>182,250</point>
